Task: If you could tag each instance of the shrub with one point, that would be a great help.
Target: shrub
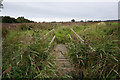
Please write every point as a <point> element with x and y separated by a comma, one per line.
<point>73,20</point>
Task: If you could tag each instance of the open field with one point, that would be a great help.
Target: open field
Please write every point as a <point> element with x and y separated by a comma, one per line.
<point>35,50</point>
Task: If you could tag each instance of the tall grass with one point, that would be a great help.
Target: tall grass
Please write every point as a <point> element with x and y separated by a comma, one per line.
<point>25,55</point>
<point>102,63</point>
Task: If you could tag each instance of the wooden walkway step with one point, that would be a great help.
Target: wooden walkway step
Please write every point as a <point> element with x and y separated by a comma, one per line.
<point>61,59</point>
<point>63,64</point>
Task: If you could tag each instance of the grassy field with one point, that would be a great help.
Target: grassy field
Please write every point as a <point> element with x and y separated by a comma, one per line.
<point>25,55</point>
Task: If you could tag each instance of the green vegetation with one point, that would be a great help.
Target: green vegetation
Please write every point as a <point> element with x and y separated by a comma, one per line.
<point>25,55</point>
<point>8,19</point>
<point>62,34</point>
<point>104,61</point>
<point>73,20</point>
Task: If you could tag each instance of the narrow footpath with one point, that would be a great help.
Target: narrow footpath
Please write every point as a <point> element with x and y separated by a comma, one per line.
<point>63,63</point>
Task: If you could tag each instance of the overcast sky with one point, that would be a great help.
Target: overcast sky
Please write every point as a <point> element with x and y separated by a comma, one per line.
<point>42,10</point>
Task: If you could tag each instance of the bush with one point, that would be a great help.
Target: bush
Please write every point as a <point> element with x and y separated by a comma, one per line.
<point>73,20</point>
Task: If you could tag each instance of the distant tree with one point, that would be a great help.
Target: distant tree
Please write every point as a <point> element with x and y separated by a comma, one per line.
<point>23,20</point>
<point>43,21</point>
<point>20,19</point>
<point>73,20</point>
<point>8,19</point>
<point>81,21</point>
<point>99,21</point>
<point>53,22</point>
<point>90,21</point>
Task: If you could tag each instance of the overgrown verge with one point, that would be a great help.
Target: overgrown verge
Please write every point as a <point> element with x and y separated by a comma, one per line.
<point>103,63</point>
<point>25,55</point>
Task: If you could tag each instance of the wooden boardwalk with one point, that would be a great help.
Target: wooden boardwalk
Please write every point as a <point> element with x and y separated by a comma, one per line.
<point>63,64</point>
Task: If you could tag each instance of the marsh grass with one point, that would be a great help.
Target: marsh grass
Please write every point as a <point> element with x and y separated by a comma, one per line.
<point>25,55</point>
<point>102,63</point>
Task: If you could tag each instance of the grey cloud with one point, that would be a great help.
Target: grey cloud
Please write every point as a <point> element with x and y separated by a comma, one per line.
<point>80,10</point>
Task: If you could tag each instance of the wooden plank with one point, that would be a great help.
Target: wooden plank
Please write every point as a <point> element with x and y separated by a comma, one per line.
<point>44,36</point>
<point>61,59</point>
<point>91,48</point>
<point>52,40</point>
<point>70,36</point>
<point>80,39</point>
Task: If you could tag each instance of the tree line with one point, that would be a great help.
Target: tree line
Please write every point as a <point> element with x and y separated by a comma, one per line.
<point>8,19</point>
